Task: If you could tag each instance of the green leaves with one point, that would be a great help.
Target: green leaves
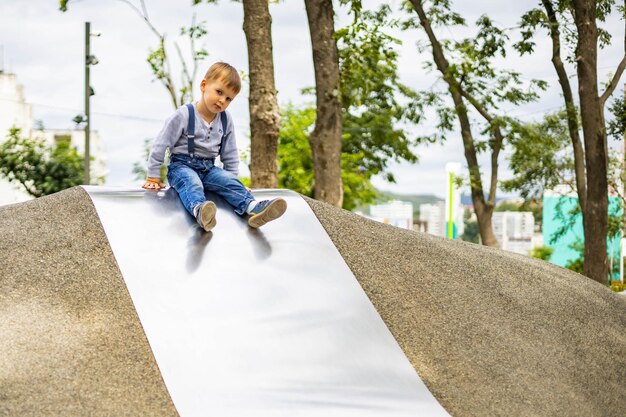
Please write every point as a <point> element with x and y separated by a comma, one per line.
<point>441,13</point>
<point>472,66</point>
<point>530,21</point>
<point>375,104</point>
<point>616,126</point>
<point>541,157</point>
<point>42,169</point>
<point>295,161</point>
<point>469,70</point>
<point>156,59</point>
<point>556,15</point>
<point>194,31</point>
<point>374,100</point>
<point>542,252</point>
<point>490,40</point>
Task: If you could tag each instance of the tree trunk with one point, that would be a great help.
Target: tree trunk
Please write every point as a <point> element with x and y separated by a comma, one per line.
<point>264,115</point>
<point>325,139</point>
<point>570,106</point>
<point>483,209</point>
<point>594,133</point>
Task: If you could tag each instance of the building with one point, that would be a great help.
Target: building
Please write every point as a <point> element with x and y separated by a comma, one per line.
<point>434,217</point>
<point>15,111</point>
<point>560,206</point>
<point>396,213</point>
<point>445,218</point>
<point>514,230</point>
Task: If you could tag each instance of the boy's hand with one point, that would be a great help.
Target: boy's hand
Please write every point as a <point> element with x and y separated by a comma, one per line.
<point>153,184</point>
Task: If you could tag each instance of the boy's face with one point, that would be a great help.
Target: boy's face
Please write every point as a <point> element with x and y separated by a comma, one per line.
<point>216,95</point>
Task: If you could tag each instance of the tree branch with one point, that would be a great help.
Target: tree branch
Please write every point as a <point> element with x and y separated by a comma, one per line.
<point>497,143</point>
<point>144,8</point>
<point>495,154</point>
<point>168,75</point>
<point>570,106</point>
<point>143,15</point>
<point>483,209</point>
<point>476,104</point>
<point>613,84</point>
<point>182,60</point>
<point>193,48</point>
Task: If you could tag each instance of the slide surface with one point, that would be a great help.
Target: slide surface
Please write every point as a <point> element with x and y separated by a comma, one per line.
<point>256,322</point>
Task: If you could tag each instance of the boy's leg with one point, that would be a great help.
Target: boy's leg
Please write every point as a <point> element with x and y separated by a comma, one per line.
<point>228,186</point>
<point>237,195</point>
<point>187,184</point>
<point>266,211</point>
<point>206,215</point>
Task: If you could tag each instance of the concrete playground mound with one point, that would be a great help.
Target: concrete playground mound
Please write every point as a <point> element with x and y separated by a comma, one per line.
<point>70,340</point>
<point>490,333</point>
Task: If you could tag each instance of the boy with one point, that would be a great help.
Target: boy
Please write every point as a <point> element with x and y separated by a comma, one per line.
<point>196,135</point>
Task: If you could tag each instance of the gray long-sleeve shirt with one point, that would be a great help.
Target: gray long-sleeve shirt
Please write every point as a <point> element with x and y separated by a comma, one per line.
<point>207,141</point>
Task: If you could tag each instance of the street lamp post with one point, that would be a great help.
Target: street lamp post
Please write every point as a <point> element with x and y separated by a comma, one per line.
<point>89,60</point>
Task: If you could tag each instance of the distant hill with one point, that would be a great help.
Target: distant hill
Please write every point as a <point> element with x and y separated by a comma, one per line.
<point>415,199</point>
<point>419,199</point>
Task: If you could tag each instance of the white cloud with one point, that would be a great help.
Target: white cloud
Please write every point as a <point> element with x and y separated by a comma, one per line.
<point>44,47</point>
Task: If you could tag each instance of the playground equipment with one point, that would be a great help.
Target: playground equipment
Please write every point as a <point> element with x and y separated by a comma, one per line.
<point>254,322</point>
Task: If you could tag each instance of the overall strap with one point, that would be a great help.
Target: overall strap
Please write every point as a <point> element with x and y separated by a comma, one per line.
<point>191,130</point>
<point>224,120</point>
<point>191,127</point>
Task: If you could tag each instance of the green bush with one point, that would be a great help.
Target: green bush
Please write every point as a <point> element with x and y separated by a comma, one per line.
<point>39,167</point>
<point>542,252</point>
<point>618,286</point>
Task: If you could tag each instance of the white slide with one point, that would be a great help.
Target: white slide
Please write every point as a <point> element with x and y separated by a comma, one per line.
<point>256,322</point>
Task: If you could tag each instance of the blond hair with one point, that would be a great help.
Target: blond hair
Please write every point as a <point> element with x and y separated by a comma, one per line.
<point>224,72</point>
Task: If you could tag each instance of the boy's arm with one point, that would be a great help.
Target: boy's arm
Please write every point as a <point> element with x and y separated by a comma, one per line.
<point>229,154</point>
<point>169,135</point>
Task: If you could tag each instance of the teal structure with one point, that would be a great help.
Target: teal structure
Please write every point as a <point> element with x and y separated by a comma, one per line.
<point>559,210</point>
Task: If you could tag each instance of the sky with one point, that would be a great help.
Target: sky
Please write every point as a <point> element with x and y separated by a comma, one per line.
<point>45,49</point>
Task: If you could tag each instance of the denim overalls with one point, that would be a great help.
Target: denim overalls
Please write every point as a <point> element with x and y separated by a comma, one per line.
<point>191,176</point>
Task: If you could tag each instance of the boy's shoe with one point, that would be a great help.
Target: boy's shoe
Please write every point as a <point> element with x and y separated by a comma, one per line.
<point>206,215</point>
<point>266,211</point>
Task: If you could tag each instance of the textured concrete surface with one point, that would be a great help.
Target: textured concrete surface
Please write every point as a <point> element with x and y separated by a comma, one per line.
<point>70,340</point>
<point>491,333</point>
